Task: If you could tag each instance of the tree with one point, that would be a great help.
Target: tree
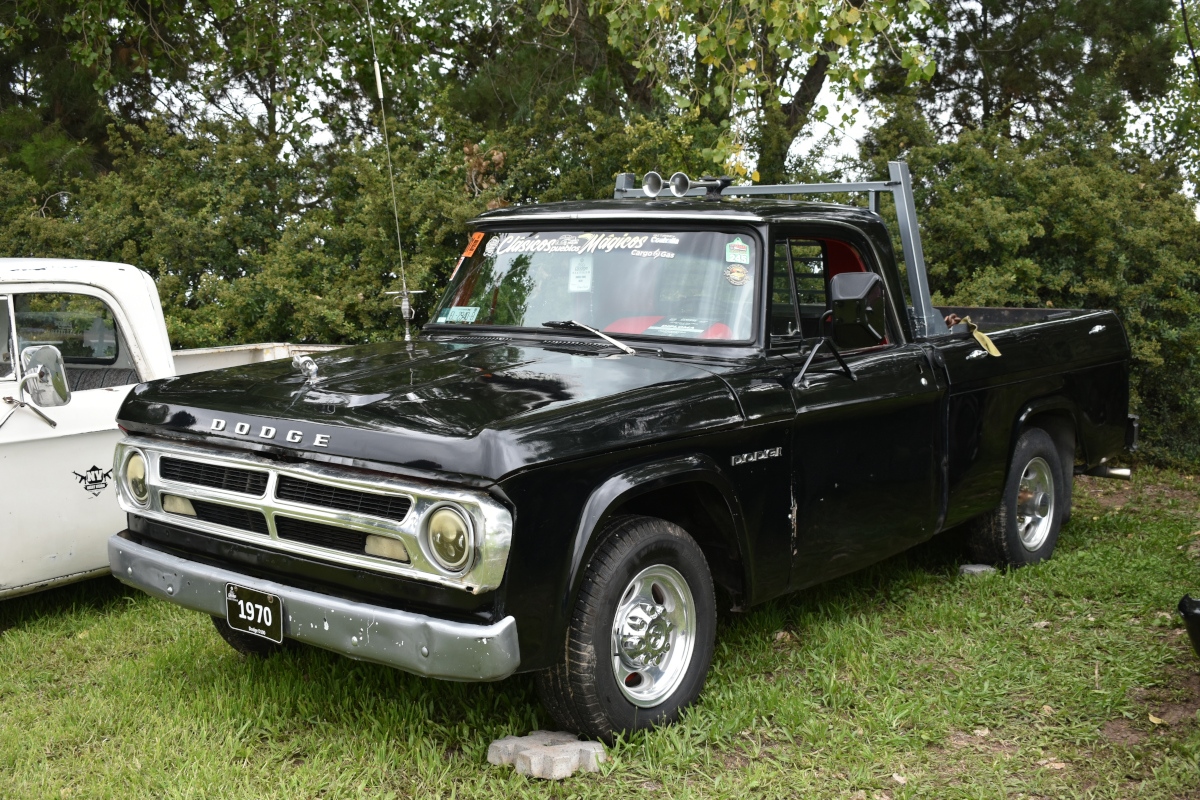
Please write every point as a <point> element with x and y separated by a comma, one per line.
<point>1066,219</point>
<point>753,66</point>
<point>1023,63</point>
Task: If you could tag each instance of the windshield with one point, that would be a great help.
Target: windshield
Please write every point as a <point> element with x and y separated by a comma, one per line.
<point>693,285</point>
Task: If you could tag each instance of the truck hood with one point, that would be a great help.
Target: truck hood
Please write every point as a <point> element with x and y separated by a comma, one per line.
<point>452,409</point>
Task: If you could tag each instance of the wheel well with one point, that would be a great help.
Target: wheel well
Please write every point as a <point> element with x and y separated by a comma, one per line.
<point>1061,428</point>
<point>703,513</point>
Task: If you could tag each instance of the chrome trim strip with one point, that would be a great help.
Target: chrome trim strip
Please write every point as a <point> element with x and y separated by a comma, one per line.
<point>411,642</point>
<point>492,522</point>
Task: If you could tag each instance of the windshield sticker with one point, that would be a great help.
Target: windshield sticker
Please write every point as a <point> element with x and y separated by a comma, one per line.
<point>664,238</point>
<point>676,325</point>
<point>476,238</point>
<point>582,244</point>
<point>652,253</point>
<point>580,279</point>
<point>489,249</point>
<point>737,252</point>
<point>737,274</point>
<point>462,314</point>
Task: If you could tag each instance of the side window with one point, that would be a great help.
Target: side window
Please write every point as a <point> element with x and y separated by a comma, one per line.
<point>7,371</point>
<point>814,263</point>
<point>808,268</point>
<point>783,311</point>
<point>84,330</point>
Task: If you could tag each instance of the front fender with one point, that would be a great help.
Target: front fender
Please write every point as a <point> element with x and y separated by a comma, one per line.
<point>628,483</point>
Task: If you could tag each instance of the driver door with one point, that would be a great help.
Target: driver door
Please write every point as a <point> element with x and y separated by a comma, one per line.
<point>59,500</point>
<point>864,448</point>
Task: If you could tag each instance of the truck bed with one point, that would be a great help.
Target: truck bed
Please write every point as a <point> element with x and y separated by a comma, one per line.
<point>1067,367</point>
<point>994,318</point>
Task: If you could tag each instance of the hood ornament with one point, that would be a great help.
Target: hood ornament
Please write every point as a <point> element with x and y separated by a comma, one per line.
<point>307,366</point>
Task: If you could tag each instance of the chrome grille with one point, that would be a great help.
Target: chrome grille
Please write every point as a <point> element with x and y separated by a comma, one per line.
<point>323,495</point>
<point>314,510</point>
<point>314,533</point>
<point>243,519</point>
<point>214,476</point>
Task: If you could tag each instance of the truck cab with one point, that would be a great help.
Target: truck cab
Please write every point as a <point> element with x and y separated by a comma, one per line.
<point>60,504</point>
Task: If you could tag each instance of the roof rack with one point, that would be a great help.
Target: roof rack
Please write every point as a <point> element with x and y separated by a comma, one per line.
<point>925,319</point>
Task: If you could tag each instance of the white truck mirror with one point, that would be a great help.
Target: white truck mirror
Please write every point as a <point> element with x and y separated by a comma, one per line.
<point>45,376</point>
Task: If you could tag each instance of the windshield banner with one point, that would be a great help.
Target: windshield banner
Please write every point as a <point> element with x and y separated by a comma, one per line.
<point>580,244</point>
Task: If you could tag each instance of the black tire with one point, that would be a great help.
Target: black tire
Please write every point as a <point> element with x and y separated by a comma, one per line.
<point>249,644</point>
<point>583,691</point>
<point>1022,530</point>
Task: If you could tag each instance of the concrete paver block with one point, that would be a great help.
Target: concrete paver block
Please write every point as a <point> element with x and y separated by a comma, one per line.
<point>552,755</point>
<point>975,569</point>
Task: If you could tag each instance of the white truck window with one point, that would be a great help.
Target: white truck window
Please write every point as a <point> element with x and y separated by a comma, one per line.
<point>6,345</point>
<point>84,330</point>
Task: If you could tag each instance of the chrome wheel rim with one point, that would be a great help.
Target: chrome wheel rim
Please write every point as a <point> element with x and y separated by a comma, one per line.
<point>1035,503</point>
<point>653,635</point>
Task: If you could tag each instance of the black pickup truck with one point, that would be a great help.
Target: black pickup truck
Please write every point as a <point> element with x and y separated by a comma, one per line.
<point>621,414</point>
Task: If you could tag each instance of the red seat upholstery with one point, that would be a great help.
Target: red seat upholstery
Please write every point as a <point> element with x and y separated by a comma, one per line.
<point>631,324</point>
<point>841,257</point>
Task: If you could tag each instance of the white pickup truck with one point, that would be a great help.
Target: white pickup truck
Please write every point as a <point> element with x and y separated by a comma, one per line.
<point>57,503</point>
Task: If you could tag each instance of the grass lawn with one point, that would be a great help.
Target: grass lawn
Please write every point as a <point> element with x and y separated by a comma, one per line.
<point>1070,679</point>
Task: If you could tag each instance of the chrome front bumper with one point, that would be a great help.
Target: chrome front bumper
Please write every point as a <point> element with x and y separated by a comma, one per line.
<point>411,642</point>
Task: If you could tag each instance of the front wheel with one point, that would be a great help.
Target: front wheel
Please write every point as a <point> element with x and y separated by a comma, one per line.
<point>1024,528</point>
<point>641,636</point>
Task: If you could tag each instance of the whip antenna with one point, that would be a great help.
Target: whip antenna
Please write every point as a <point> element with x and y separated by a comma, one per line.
<point>406,309</point>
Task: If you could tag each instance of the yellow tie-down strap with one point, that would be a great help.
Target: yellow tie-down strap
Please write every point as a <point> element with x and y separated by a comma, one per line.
<point>981,337</point>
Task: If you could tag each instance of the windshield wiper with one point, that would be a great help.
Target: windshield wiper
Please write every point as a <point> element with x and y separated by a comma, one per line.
<point>570,323</point>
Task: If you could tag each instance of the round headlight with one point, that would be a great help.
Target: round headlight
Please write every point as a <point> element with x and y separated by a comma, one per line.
<point>449,539</point>
<point>135,478</point>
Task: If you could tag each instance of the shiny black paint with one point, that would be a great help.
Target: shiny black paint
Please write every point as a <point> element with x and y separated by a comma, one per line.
<point>569,436</point>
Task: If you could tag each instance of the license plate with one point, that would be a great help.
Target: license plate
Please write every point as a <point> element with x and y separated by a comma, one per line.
<point>254,612</point>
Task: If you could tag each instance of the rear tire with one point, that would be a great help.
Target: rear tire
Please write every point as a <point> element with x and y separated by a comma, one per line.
<point>1024,528</point>
<point>641,636</point>
<point>248,644</point>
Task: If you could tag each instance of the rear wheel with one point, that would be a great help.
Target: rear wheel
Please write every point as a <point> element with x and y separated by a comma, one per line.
<point>641,636</point>
<point>249,644</point>
<point>1024,528</point>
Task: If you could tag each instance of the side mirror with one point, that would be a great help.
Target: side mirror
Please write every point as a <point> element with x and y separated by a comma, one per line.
<point>858,310</point>
<point>45,376</point>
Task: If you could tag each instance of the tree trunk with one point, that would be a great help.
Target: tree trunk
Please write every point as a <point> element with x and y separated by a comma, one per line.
<point>782,123</point>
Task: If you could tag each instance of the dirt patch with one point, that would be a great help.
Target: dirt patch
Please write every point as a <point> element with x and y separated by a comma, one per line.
<point>980,743</point>
<point>1120,732</point>
<point>1109,494</point>
<point>1178,701</point>
<point>1173,705</point>
<point>1112,495</point>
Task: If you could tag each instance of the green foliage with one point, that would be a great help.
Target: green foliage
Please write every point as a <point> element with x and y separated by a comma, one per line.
<point>1068,220</point>
<point>755,66</point>
<point>248,247</point>
<point>1023,63</point>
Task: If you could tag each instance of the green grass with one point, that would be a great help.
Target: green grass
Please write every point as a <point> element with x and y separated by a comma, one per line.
<point>951,683</point>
